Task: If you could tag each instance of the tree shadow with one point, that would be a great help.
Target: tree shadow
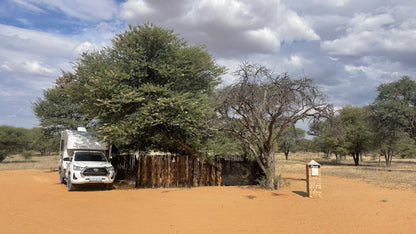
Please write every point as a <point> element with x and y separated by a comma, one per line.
<point>300,193</point>
<point>51,171</point>
<point>19,161</point>
<point>298,179</point>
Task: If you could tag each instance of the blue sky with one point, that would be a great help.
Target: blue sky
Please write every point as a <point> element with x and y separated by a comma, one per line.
<point>348,47</point>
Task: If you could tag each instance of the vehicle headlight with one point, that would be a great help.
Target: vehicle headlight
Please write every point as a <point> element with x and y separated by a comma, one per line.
<point>110,169</point>
<point>77,168</point>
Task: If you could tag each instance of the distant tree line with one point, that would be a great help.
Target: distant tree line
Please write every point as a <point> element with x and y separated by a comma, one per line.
<point>25,141</point>
<point>387,126</point>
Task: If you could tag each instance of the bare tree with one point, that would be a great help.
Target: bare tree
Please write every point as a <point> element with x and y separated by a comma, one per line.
<point>261,105</point>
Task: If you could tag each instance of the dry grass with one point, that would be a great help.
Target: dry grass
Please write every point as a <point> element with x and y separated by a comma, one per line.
<point>401,174</point>
<point>17,162</point>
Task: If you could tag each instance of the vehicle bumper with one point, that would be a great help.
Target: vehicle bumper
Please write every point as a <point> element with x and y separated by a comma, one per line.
<point>78,178</point>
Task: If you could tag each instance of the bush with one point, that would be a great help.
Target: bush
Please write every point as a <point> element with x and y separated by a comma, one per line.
<point>28,154</point>
<point>278,182</point>
<point>3,155</point>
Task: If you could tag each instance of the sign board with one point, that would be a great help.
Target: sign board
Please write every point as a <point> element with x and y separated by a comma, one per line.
<point>315,171</point>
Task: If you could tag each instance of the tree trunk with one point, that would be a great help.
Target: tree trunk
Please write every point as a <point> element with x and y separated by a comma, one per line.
<point>270,171</point>
<point>356,157</point>
<point>388,157</point>
<point>287,154</point>
<point>337,159</point>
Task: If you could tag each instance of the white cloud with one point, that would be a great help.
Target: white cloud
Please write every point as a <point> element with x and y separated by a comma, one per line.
<point>31,44</point>
<point>375,34</point>
<point>31,60</point>
<point>92,10</point>
<point>296,61</point>
<point>367,22</point>
<point>28,67</point>
<point>231,13</point>
<point>295,28</point>
<point>268,38</point>
<point>131,9</point>
<point>28,5</point>
<point>227,27</point>
<point>334,3</point>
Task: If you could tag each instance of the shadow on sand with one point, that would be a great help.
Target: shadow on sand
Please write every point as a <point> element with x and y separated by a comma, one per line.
<point>300,193</point>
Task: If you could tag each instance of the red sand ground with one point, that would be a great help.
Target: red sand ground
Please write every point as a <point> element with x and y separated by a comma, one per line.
<point>32,201</point>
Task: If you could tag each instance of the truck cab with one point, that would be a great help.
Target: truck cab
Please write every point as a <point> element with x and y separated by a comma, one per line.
<point>83,160</point>
<point>86,167</point>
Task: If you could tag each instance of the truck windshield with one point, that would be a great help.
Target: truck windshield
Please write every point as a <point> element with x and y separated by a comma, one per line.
<point>88,156</point>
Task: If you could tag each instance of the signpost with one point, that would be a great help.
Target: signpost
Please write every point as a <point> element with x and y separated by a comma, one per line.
<point>313,179</point>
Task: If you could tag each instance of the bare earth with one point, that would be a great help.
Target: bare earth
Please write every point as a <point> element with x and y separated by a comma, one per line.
<point>32,201</point>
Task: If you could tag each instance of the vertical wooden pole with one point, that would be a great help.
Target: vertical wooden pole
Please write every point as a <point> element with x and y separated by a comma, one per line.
<point>145,170</point>
<point>195,172</point>
<point>212,175</point>
<point>153,166</point>
<point>138,173</point>
<point>186,168</point>
<point>219,177</point>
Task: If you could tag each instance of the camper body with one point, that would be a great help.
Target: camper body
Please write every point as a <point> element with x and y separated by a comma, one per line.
<point>82,160</point>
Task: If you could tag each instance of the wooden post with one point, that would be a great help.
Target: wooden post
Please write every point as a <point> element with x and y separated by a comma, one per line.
<point>195,172</point>
<point>154,171</point>
<point>177,172</point>
<point>186,168</point>
<point>219,177</point>
<point>139,172</point>
<point>145,172</point>
<point>212,175</point>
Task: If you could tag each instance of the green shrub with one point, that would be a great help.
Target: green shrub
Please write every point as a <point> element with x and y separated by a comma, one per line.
<point>278,182</point>
<point>3,155</point>
<point>28,154</point>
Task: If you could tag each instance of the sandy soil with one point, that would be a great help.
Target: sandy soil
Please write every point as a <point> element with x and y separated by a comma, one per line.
<point>32,201</point>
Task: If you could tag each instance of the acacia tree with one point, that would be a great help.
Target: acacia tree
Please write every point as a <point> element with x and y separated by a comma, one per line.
<point>261,105</point>
<point>356,130</point>
<point>149,89</point>
<point>394,116</point>
<point>329,136</point>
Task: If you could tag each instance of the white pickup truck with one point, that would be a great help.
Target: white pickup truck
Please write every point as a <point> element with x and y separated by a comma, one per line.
<point>83,161</point>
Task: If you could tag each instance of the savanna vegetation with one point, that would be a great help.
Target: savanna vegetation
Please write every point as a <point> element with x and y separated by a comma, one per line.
<point>152,90</point>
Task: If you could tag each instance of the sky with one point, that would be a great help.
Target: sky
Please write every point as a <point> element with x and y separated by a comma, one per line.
<point>348,47</point>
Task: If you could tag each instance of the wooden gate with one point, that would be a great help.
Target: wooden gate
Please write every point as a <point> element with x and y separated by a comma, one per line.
<point>175,171</point>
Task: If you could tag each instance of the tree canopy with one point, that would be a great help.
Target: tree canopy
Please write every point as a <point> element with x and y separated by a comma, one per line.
<point>394,116</point>
<point>56,111</point>
<point>149,88</point>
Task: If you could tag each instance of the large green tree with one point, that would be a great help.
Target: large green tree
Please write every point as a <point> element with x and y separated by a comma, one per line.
<point>357,131</point>
<point>149,89</point>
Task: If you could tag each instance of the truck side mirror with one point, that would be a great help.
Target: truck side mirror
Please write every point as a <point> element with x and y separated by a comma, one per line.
<point>67,159</point>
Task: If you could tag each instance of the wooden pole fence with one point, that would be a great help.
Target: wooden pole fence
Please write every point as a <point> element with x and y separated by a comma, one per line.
<point>175,171</point>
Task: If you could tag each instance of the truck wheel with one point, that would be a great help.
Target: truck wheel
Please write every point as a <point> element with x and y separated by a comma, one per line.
<point>109,186</point>
<point>61,177</point>
<point>69,185</point>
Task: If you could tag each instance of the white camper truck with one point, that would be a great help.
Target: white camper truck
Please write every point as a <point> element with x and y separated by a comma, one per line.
<point>83,161</point>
